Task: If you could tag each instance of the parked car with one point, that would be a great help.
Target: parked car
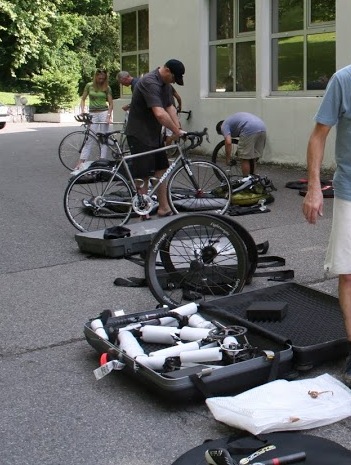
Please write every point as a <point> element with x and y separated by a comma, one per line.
<point>4,115</point>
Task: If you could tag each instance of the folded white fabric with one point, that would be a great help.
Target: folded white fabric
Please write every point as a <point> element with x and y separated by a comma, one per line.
<point>285,405</point>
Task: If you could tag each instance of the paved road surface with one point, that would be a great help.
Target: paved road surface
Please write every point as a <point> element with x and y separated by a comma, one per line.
<point>53,411</point>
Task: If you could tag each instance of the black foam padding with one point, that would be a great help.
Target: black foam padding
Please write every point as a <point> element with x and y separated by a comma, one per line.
<point>266,311</point>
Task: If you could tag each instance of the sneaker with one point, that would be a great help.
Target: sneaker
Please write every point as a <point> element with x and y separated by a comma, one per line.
<point>347,372</point>
<point>81,168</point>
<point>218,457</point>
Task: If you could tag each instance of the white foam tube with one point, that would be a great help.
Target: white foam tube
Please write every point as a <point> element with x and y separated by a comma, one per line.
<point>154,363</point>
<point>197,321</point>
<point>201,355</point>
<point>184,310</point>
<point>174,351</point>
<point>98,328</point>
<point>193,334</point>
<point>158,334</point>
<point>129,344</point>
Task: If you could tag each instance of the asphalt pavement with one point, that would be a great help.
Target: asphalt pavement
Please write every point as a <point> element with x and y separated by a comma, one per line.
<point>53,410</point>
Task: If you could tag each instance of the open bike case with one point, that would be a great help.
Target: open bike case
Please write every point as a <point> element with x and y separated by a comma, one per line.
<point>271,358</point>
<point>311,320</point>
<point>141,234</point>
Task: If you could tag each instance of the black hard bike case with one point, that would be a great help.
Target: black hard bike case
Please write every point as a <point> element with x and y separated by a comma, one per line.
<point>200,381</point>
<point>302,326</point>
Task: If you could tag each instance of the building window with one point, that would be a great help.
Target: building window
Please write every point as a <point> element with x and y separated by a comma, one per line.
<point>232,46</point>
<point>303,44</point>
<point>134,44</point>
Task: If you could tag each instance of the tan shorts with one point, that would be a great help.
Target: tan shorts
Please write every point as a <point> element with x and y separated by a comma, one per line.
<point>251,146</point>
<point>338,257</point>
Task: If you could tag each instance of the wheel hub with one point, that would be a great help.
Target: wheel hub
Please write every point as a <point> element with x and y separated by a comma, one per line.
<point>142,204</point>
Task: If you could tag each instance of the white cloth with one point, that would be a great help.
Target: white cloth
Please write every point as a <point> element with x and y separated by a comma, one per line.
<point>285,405</point>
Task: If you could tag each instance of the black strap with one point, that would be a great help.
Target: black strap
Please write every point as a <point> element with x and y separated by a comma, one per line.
<point>130,282</point>
<point>274,275</point>
<point>197,381</point>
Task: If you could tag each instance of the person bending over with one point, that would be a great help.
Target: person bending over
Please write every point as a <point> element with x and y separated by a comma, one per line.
<point>251,131</point>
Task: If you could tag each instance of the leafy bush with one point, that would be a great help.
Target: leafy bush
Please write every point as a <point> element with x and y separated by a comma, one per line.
<point>59,90</point>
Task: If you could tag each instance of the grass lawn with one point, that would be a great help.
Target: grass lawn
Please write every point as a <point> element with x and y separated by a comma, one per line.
<point>7,98</point>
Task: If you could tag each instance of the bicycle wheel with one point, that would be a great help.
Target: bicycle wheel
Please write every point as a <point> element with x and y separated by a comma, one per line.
<point>195,258</point>
<point>71,147</point>
<point>211,193</point>
<point>218,156</point>
<point>97,199</point>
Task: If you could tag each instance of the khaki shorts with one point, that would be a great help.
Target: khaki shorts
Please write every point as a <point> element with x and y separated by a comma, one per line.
<point>251,146</point>
<point>338,257</point>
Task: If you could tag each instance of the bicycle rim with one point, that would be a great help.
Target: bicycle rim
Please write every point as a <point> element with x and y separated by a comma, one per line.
<point>71,147</point>
<point>195,258</point>
<point>218,156</point>
<point>212,191</point>
<point>94,201</point>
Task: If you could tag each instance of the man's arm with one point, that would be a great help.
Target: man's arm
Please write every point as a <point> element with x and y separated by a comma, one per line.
<point>168,118</point>
<point>313,201</point>
<point>228,148</point>
<point>178,98</point>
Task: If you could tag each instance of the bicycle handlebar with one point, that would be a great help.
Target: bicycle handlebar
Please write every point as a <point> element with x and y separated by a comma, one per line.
<point>84,118</point>
<point>196,138</point>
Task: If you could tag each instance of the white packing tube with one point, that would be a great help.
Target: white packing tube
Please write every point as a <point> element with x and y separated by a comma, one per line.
<point>98,328</point>
<point>174,351</point>
<point>193,334</point>
<point>158,334</point>
<point>201,355</point>
<point>184,310</point>
<point>197,321</point>
<point>129,344</point>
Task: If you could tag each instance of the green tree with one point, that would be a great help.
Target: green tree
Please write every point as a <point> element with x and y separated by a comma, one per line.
<point>72,36</point>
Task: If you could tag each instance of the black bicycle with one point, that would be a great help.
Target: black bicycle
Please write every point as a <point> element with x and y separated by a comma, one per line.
<point>105,196</point>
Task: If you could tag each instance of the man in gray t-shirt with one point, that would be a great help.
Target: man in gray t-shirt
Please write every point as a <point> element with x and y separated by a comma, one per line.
<point>151,108</point>
<point>251,131</point>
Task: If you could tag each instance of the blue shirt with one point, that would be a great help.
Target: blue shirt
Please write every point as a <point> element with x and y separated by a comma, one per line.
<point>335,109</point>
<point>242,124</point>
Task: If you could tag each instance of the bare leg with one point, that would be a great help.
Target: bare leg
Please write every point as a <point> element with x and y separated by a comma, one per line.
<point>142,189</point>
<point>247,166</point>
<point>345,301</point>
<point>345,304</point>
<point>163,206</point>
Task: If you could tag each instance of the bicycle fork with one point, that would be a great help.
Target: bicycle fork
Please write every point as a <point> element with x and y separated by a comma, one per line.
<point>192,178</point>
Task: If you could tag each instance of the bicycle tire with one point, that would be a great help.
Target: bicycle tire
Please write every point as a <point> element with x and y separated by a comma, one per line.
<point>71,146</point>
<point>218,155</point>
<point>195,258</point>
<point>213,193</point>
<point>87,195</point>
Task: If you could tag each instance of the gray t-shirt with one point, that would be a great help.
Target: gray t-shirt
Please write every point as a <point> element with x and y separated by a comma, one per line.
<point>335,109</point>
<point>150,91</point>
<point>242,124</point>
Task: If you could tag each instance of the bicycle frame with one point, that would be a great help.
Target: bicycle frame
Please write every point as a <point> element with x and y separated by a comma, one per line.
<point>123,163</point>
